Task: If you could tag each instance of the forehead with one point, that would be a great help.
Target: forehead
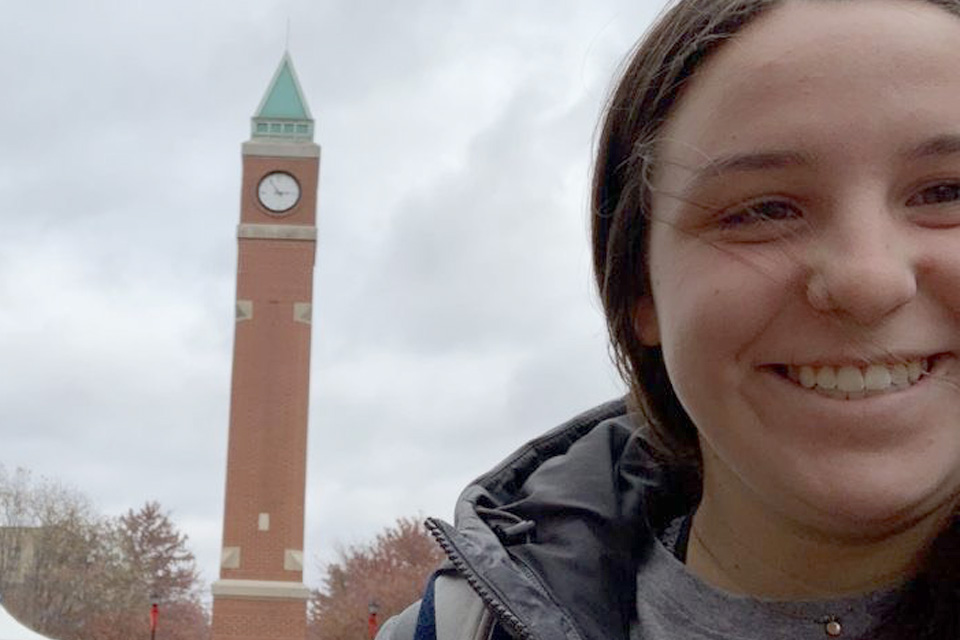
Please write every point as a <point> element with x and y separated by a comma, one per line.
<point>842,75</point>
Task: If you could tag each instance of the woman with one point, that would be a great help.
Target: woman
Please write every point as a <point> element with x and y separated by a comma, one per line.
<point>777,247</point>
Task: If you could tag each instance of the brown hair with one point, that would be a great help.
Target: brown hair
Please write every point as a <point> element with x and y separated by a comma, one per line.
<point>652,82</point>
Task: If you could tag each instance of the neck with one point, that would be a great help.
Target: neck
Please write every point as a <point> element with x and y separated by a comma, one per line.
<point>778,559</point>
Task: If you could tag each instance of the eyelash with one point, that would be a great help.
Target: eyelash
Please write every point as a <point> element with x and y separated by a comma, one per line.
<point>758,212</point>
<point>922,198</point>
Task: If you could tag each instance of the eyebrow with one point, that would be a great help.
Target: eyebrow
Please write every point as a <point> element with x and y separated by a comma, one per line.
<point>746,163</point>
<point>750,161</point>
<point>943,145</point>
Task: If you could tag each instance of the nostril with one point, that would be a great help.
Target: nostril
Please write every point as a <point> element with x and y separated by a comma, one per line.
<point>860,294</point>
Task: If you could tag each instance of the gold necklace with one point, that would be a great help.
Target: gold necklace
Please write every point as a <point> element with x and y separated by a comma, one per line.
<point>831,624</point>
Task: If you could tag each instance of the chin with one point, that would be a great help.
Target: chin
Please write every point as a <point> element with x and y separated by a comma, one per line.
<point>877,504</point>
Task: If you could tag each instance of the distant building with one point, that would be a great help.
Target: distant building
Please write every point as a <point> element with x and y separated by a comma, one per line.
<point>18,551</point>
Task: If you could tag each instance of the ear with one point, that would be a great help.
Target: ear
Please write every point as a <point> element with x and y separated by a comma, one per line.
<point>645,322</point>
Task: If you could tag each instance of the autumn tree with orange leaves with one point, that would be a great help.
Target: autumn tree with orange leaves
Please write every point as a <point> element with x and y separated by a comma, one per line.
<point>392,570</point>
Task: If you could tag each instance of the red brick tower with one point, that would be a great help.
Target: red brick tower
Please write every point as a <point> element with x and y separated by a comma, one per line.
<point>260,594</point>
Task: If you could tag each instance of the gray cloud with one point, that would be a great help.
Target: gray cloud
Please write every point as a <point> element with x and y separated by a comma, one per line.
<point>454,312</point>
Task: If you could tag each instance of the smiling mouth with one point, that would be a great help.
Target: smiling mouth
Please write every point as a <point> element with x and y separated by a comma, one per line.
<point>849,382</point>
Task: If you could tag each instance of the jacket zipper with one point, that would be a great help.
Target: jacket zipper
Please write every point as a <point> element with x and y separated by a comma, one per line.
<point>516,627</point>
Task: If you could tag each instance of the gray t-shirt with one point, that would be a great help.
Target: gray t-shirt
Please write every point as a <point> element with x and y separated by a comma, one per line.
<point>673,604</point>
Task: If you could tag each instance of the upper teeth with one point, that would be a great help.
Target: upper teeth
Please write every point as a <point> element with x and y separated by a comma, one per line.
<point>849,379</point>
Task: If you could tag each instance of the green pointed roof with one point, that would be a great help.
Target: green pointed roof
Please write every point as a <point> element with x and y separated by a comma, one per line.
<point>283,112</point>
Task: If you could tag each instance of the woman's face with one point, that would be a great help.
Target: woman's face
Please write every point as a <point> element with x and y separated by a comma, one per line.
<point>805,263</point>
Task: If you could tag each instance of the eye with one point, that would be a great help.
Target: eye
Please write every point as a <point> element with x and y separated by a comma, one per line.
<point>756,213</point>
<point>944,193</point>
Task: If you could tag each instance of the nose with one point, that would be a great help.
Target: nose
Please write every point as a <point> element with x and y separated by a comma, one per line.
<point>862,268</point>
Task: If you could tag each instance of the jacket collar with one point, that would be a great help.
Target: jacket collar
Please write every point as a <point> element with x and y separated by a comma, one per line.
<point>552,537</point>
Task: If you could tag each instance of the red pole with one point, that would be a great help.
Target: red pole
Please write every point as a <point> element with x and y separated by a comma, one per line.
<point>154,615</point>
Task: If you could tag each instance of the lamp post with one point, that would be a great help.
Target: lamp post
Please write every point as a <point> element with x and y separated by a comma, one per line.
<point>372,609</point>
<point>154,615</point>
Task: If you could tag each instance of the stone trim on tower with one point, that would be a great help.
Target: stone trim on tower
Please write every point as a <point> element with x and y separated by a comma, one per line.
<point>277,231</point>
<point>260,589</point>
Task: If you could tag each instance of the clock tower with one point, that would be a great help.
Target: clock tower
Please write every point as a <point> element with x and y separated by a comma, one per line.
<point>260,593</point>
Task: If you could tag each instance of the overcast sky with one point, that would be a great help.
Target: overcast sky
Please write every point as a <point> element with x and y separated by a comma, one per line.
<point>454,315</point>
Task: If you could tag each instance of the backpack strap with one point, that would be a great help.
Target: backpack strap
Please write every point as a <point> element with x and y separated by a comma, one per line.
<point>450,610</point>
<point>402,626</point>
<point>460,613</point>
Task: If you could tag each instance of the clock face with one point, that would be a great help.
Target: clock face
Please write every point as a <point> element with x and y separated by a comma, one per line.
<point>278,192</point>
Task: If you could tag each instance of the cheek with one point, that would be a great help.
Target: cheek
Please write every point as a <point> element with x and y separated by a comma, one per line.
<point>701,335</point>
<point>713,306</point>
<point>938,272</point>
<point>714,299</point>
